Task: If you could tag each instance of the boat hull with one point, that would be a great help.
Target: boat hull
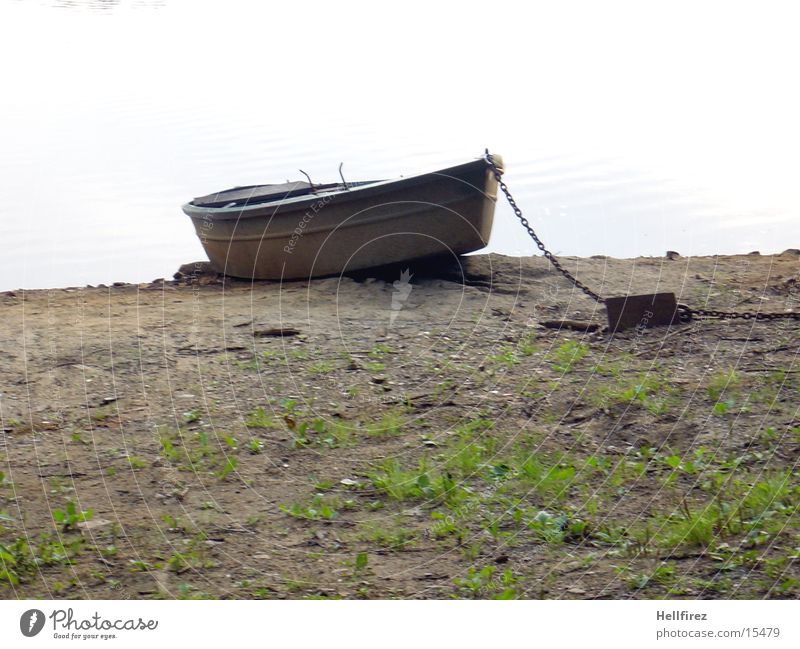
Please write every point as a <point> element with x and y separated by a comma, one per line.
<point>388,222</point>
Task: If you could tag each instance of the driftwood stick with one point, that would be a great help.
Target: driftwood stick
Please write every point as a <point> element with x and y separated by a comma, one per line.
<point>575,325</point>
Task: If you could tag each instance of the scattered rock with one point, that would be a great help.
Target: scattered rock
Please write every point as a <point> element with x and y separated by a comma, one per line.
<point>106,400</point>
<point>755,252</point>
<point>575,325</point>
<point>94,524</point>
<point>276,332</point>
<point>671,254</point>
<point>196,269</point>
<point>432,576</point>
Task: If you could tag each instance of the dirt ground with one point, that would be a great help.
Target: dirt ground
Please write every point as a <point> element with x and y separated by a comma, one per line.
<point>403,437</point>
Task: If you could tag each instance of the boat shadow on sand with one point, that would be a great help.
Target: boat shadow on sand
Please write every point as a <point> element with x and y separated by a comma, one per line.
<point>492,272</point>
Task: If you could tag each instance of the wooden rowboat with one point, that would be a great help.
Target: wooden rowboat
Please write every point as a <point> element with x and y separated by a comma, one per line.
<point>299,230</point>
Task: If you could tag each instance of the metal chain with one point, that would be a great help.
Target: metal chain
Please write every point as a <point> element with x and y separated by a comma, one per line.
<point>687,313</point>
<point>743,315</point>
<point>548,255</point>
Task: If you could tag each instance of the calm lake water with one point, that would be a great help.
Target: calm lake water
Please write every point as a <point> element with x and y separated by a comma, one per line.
<point>624,133</point>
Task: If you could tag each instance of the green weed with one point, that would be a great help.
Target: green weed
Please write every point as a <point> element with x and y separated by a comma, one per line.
<point>259,418</point>
<point>70,516</point>
<point>485,584</point>
<point>390,424</point>
<point>421,483</point>
<point>721,382</point>
<point>191,416</point>
<point>321,367</point>
<point>136,463</point>
<point>318,509</point>
<point>255,446</point>
<point>392,537</point>
<point>228,467</point>
<point>564,357</point>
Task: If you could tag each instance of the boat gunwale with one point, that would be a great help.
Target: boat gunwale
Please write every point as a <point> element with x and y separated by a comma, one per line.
<point>300,203</point>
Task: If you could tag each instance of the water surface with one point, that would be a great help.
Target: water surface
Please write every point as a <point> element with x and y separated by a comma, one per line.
<point>623,134</point>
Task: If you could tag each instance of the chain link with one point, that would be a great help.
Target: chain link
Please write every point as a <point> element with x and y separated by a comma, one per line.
<point>687,313</point>
<point>743,315</point>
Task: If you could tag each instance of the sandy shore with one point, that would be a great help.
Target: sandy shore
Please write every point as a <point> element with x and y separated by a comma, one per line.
<point>402,437</point>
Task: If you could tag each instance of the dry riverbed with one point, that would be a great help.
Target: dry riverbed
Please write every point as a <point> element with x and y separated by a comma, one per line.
<point>381,438</point>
